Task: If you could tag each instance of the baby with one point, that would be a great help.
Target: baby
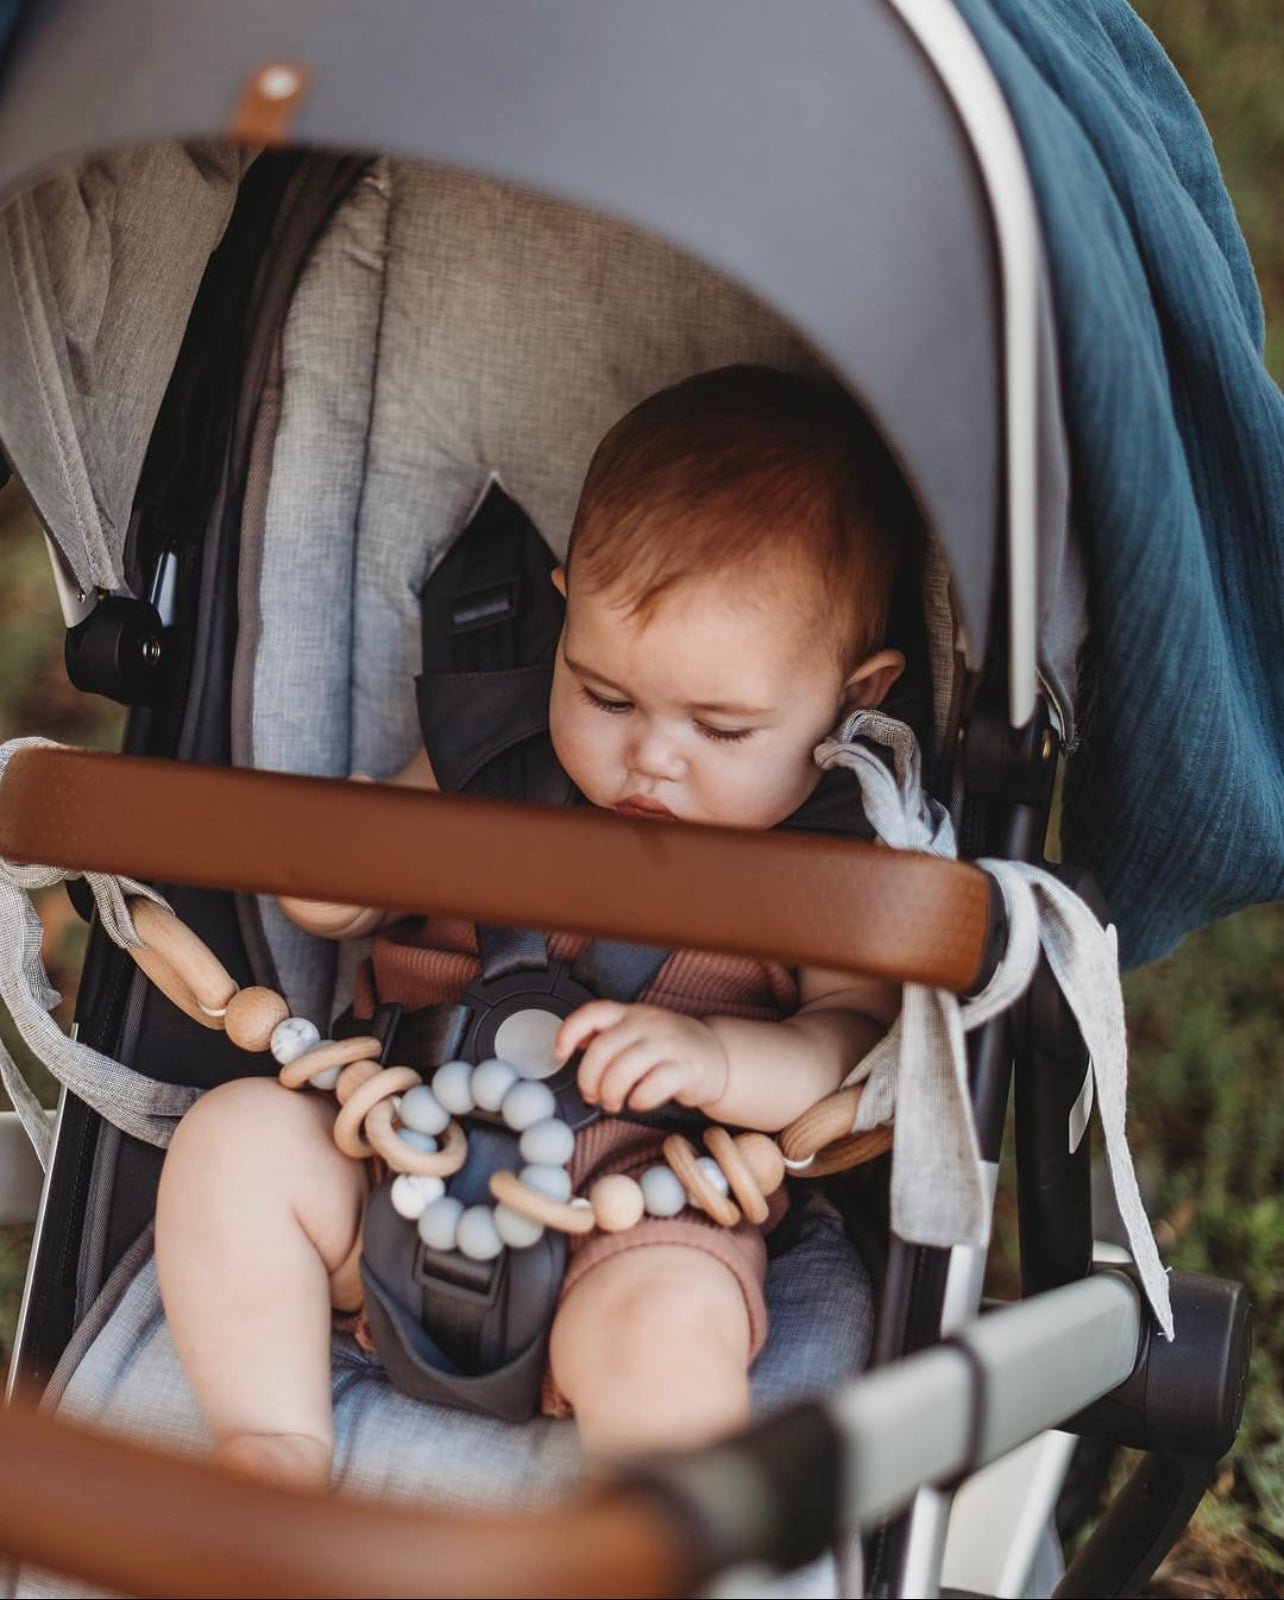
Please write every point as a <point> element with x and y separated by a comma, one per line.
<point>727,589</point>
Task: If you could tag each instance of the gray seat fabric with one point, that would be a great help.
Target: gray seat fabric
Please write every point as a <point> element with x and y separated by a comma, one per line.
<point>123,1375</point>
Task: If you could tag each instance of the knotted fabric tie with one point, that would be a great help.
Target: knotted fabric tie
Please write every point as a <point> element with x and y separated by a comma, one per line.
<point>143,1107</point>
<point>917,1074</point>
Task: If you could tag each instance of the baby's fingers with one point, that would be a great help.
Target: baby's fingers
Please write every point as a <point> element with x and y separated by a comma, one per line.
<point>658,1087</point>
<point>627,1068</point>
<point>583,1023</point>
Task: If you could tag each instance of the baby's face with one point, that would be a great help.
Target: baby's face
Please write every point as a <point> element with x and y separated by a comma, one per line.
<point>708,710</point>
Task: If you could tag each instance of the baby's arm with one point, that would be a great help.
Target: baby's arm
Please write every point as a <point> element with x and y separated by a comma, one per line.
<point>329,919</point>
<point>749,1074</point>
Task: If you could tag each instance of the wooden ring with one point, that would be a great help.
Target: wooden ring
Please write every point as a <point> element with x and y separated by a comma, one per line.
<point>510,1191</point>
<point>853,1150</point>
<point>722,1147</point>
<point>403,1157</point>
<point>681,1155</point>
<point>333,1053</point>
<point>378,1086</point>
<point>832,1118</point>
<point>179,963</point>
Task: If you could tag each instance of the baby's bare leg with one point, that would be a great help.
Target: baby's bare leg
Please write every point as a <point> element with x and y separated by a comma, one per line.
<point>257,1226</point>
<point>651,1348</point>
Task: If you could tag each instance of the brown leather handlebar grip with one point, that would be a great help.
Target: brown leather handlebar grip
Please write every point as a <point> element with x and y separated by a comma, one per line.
<point>113,1513</point>
<point>806,899</point>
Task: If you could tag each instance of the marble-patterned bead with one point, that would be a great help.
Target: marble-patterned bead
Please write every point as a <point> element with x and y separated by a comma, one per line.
<point>417,1140</point>
<point>527,1103</point>
<point>477,1237</point>
<point>291,1038</point>
<point>716,1176</point>
<point>411,1194</point>
<point>452,1084</point>
<point>439,1223</point>
<point>325,1079</point>
<point>517,1231</point>
<point>550,1143</point>
<point>491,1082</point>
<point>662,1192</point>
<point>421,1110</point>
<point>552,1181</point>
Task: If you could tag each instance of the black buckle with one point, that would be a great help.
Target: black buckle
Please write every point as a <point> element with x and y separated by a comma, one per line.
<point>381,1025</point>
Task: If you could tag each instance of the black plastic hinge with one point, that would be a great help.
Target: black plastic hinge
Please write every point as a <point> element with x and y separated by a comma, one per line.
<point>121,651</point>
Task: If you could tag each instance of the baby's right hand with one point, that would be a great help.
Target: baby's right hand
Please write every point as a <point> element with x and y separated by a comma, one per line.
<point>330,919</point>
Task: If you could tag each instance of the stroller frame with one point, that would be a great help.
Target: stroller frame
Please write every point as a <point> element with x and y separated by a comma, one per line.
<point>929,1295</point>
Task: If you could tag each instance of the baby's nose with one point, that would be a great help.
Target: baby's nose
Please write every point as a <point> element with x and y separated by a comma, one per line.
<point>655,754</point>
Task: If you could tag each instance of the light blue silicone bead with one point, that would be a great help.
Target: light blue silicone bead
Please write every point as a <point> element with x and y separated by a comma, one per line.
<point>439,1222</point>
<point>550,1143</point>
<point>326,1079</point>
<point>527,1103</point>
<point>662,1192</point>
<point>417,1140</point>
<point>517,1231</point>
<point>477,1237</point>
<point>491,1082</point>
<point>716,1176</point>
<point>421,1110</point>
<point>552,1181</point>
<point>451,1084</point>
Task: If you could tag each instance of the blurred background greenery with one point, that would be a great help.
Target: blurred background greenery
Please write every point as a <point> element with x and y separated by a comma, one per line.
<point>1207,1115</point>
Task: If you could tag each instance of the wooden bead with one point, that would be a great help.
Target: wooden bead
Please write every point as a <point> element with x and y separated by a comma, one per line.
<point>763,1158</point>
<point>251,1016</point>
<point>617,1202</point>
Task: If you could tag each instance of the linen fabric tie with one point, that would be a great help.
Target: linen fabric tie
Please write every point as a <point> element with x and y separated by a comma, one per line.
<point>916,1075</point>
<point>143,1107</point>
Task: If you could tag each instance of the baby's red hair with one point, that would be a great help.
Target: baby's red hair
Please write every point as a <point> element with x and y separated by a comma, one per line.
<point>739,467</point>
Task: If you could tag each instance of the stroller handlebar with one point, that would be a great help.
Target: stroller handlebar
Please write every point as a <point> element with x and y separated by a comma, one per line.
<point>803,898</point>
<point>96,1506</point>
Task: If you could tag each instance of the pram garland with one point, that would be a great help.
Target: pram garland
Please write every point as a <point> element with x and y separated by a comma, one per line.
<point>390,1112</point>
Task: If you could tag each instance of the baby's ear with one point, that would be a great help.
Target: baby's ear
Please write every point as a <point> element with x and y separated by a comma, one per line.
<point>871,682</point>
<point>558,576</point>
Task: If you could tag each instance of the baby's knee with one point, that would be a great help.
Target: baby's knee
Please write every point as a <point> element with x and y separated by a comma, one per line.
<point>247,1119</point>
<point>643,1305</point>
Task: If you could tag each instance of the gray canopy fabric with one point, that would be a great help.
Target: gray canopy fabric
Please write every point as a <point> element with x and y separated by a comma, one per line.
<point>814,154</point>
<point>99,266</point>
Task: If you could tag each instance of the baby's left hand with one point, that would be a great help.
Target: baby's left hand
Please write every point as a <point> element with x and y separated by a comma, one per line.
<point>643,1056</point>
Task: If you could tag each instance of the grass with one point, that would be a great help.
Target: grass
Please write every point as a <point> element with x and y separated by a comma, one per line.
<point>1206,1111</point>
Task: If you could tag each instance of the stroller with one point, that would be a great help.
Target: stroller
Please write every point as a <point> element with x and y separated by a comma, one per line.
<point>255,385</point>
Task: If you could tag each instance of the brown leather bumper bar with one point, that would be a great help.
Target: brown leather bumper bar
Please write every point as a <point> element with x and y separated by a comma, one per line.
<point>801,898</point>
<point>111,1512</point>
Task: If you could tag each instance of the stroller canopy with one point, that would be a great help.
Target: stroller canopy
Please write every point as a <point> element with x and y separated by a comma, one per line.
<point>845,165</point>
